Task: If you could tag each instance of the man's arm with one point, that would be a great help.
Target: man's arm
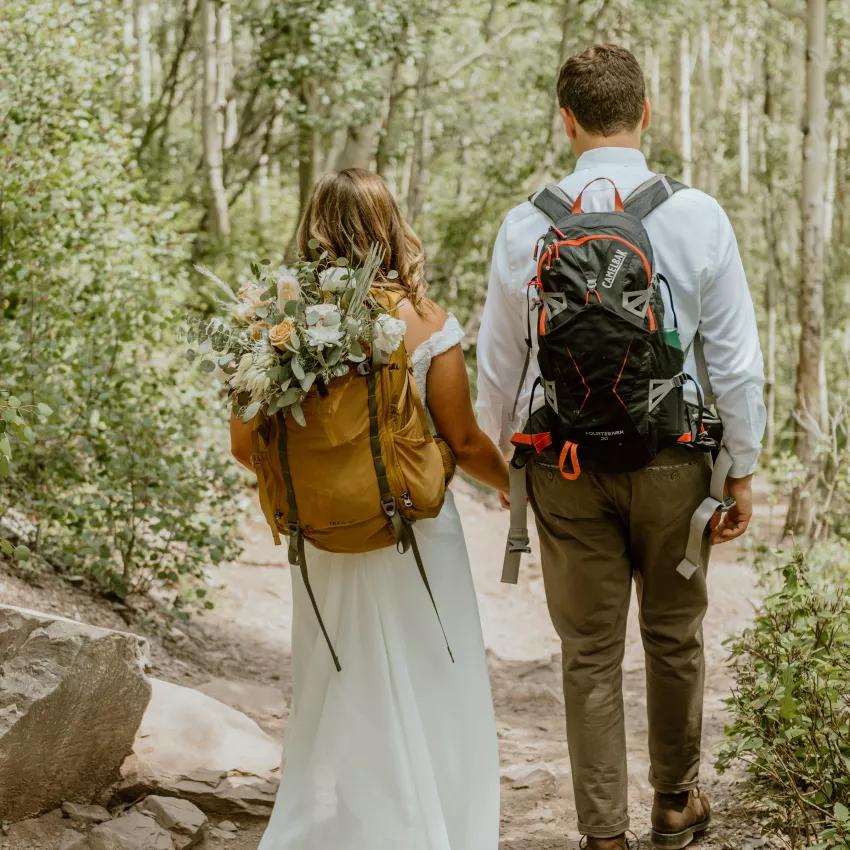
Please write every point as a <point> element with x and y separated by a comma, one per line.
<point>734,360</point>
<point>501,350</point>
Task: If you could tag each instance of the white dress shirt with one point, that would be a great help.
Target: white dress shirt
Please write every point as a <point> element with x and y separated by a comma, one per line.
<point>696,251</point>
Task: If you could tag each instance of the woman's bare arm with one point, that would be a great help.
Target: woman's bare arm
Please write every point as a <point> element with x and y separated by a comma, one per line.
<point>450,403</point>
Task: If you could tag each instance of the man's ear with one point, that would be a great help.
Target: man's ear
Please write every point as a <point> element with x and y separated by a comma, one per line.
<point>647,113</point>
<point>570,123</point>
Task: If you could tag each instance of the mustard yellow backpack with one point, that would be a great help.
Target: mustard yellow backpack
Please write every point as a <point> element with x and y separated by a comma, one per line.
<point>361,471</point>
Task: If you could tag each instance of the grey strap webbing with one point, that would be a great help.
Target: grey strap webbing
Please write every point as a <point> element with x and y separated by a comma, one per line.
<point>518,540</point>
<point>699,538</point>
<point>553,202</point>
<point>702,369</point>
<point>651,194</point>
<point>297,551</point>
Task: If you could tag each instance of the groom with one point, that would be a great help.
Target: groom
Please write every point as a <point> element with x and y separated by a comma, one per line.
<point>598,531</point>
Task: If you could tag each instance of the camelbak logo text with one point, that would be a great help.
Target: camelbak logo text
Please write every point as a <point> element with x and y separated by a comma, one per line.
<point>616,265</point>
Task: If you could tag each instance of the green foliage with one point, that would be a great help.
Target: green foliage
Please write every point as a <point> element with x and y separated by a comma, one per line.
<point>125,485</point>
<point>791,707</point>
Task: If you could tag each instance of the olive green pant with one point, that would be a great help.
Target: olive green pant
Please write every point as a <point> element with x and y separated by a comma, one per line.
<point>595,534</point>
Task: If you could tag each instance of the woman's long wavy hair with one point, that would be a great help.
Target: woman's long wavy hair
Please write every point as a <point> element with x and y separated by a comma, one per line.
<point>350,210</point>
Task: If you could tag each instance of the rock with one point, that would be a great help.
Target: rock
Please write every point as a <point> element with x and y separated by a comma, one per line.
<point>86,814</point>
<point>254,700</point>
<point>73,840</point>
<point>71,699</point>
<point>194,747</point>
<point>179,816</point>
<point>228,826</point>
<point>33,832</point>
<point>133,831</point>
<point>529,776</point>
<point>222,834</point>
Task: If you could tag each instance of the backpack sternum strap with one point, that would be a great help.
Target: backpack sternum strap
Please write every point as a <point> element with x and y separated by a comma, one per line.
<point>297,549</point>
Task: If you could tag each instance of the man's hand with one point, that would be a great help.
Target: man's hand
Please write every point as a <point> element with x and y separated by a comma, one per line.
<point>735,521</point>
<point>505,500</point>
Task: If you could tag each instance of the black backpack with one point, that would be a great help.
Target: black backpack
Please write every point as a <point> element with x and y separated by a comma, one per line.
<point>611,372</point>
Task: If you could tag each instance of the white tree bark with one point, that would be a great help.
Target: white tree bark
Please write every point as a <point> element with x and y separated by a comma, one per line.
<point>218,216</point>
<point>224,83</point>
<point>142,32</point>
<point>685,106</point>
<point>707,146</point>
<point>808,388</point>
<point>832,173</point>
<point>129,38</point>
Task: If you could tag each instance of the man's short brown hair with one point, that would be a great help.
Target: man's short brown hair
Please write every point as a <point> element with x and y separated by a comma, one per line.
<point>604,88</point>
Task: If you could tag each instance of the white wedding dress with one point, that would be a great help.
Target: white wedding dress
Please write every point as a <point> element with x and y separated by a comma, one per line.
<point>399,750</point>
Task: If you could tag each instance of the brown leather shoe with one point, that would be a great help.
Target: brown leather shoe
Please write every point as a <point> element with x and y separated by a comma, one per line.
<point>677,818</point>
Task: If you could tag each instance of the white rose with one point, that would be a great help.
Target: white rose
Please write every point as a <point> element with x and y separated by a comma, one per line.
<point>328,314</point>
<point>244,312</point>
<point>331,280</point>
<point>324,336</point>
<point>389,332</point>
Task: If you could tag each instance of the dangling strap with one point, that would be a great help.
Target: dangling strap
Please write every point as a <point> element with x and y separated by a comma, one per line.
<point>414,545</point>
<point>699,539</point>
<point>528,350</point>
<point>405,538</point>
<point>518,540</point>
<point>702,369</point>
<point>297,552</point>
<point>553,202</point>
<point>651,194</point>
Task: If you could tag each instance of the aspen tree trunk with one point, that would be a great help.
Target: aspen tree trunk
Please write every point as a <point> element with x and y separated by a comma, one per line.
<point>832,172</point>
<point>224,82</point>
<point>685,106</point>
<point>744,125</point>
<point>358,148</point>
<point>556,137</point>
<point>260,192</point>
<point>218,216</point>
<point>389,129</point>
<point>808,387</point>
<point>129,38</point>
<point>142,33</point>
<point>708,152</point>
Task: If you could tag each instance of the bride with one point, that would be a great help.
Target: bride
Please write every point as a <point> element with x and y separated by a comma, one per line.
<point>398,751</point>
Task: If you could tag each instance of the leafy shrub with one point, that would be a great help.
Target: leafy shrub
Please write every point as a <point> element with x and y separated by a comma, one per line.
<point>791,708</point>
<point>125,484</point>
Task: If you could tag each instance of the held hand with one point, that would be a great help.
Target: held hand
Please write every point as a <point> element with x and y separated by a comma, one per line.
<point>505,500</point>
<point>736,520</point>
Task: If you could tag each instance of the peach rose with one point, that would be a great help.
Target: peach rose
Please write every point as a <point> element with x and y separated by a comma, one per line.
<point>280,334</point>
<point>252,294</point>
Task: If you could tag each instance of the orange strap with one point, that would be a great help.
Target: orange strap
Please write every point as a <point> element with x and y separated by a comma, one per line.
<point>570,449</point>
<point>539,441</point>
<point>618,201</point>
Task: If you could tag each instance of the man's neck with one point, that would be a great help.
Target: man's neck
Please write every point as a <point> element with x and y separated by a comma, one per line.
<point>588,143</point>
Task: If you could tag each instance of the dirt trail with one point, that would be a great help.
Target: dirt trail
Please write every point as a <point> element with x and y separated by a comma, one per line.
<point>245,640</point>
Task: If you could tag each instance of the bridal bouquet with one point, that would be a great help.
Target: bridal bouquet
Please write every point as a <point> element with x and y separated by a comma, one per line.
<point>292,329</point>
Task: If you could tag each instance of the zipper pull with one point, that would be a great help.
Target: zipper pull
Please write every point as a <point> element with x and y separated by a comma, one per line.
<point>405,500</point>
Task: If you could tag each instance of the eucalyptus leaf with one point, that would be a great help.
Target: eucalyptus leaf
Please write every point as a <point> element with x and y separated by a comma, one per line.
<point>307,381</point>
<point>5,447</point>
<point>21,553</point>
<point>342,261</point>
<point>298,415</point>
<point>297,369</point>
<point>263,312</point>
<point>13,401</point>
<point>251,411</point>
<point>45,410</point>
<point>207,366</point>
<point>6,547</point>
<point>392,275</point>
<point>191,354</point>
<point>313,244</point>
<point>5,467</point>
<point>225,359</point>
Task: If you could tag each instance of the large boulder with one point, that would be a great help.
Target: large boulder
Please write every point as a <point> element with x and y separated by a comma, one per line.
<point>192,746</point>
<point>72,697</point>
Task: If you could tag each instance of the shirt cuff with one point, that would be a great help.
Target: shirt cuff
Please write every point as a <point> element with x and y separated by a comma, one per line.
<point>744,464</point>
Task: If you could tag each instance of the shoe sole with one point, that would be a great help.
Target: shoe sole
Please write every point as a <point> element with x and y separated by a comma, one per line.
<point>678,840</point>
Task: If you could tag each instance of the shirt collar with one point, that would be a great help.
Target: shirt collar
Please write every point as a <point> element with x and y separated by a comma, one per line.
<point>627,157</point>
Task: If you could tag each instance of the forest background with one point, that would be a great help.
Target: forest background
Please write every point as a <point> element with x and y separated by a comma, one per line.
<point>138,137</point>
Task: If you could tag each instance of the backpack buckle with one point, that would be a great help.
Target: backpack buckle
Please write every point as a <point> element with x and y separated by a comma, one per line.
<point>389,507</point>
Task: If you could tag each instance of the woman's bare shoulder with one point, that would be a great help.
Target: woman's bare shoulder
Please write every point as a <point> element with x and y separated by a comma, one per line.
<point>421,325</point>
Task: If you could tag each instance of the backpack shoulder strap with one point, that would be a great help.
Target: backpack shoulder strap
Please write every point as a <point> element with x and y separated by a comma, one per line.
<point>651,194</point>
<point>552,201</point>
